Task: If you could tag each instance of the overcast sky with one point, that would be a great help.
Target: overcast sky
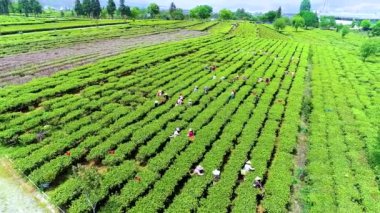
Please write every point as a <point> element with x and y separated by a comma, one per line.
<point>288,6</point>
<point>359,6</point>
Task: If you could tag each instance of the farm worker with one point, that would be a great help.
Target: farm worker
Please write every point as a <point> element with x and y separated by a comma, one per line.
<point>216,174</point>
<point>213,77</point>
<point>181,97</point>
<point>254,93</point>
<point>237,77</point>
<point>267,81</point>
<point>196,89</point>
<point>138,179</point>
<point>260,80</point>
<point>257,98</point>
<point>293,74</point>
<point>176,133</point>
<point>190,103</point>
<point>233,93</point>
<point>159,93</point>
<point>257,183</point>
<point>199,170</point>
<point>247,168</point>
<point>68,153</point>
<point>191,135</point>
<point>179,102</point>
<point>206,88</point>
<point>156,103</point>
<point>40,136</point>
<point>286,72</point>
<point>212,68</point>
<point>166,96</point>
<point>223,78</point>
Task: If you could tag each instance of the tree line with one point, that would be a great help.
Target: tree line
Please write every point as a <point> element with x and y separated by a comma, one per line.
<point>306,18</point>
<point>90,8</point>
<point>26,7</point>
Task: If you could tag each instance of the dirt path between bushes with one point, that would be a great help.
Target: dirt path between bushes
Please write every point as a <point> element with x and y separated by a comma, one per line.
<point>296,203</point>
<point>19,69</point>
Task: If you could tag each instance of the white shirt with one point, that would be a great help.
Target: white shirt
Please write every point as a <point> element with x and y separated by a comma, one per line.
<point>216,172</point>
<point>248,167</point>
<point>198,170</point>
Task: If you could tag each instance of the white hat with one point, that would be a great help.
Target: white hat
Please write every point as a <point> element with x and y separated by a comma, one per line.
<point>248,162</point>
<point>257,178</point>
<point>190,130</point>
<point>178,129</point>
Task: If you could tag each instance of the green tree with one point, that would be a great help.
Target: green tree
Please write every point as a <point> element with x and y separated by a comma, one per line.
<point>339,27</point>
<point>35,7</point>
<point>122,9</point>
<point>269,16</point>
<point>135,12</point>
<point>4,6</point>
<point>305,6</point>
<point>241,14</point>
<point>14,7</point>
<point>366,25</point>
<point>225,14</point>
<point>201,12</point>
<point>90,181</point>
<point>87,8</point>
<point>128,11</point>
<point>345,30</point>
<point>172,8</point>
<point>279,24</point>
<point>279,13</point>
<point>96,9</point>
<point>376,29</point>
<point>111,8</point>
<point>288,21</point>
<point>369,47</point>
<point>25,7</point>
<point>298,21</point>
<point>177,14</point>
<point>311,19</point>
<point>104,13</point>
<point>153,10</point>
<point>327,22</point>
<point>78,8</point>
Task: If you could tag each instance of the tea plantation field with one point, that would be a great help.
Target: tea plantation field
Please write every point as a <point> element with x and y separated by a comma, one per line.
<point>305,112</point>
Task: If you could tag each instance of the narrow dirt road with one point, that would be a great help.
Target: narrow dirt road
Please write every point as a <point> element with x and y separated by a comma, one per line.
<point>17,196</point>
<point>22,68</point>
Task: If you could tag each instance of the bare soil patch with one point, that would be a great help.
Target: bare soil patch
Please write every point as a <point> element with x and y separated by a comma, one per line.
<point>22,68</point>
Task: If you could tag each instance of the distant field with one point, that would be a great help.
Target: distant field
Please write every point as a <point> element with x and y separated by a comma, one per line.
<point>310,131</point>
